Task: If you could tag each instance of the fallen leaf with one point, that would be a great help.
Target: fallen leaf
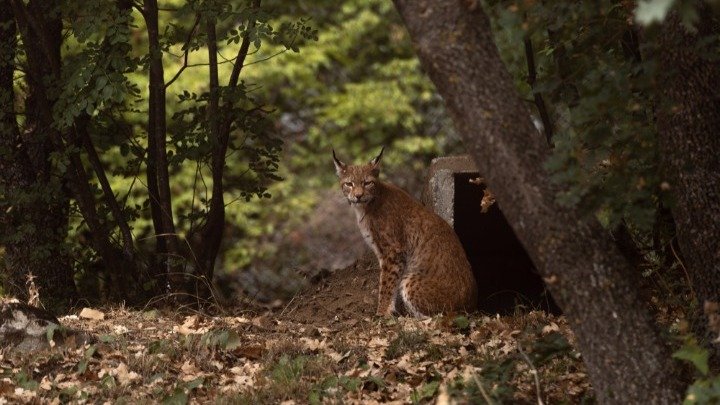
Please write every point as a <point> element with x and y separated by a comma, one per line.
<point>123,375</point>
<point>93,314</point>
<point>252,352</point>
<point>553,327</point>
<point>189,327</point>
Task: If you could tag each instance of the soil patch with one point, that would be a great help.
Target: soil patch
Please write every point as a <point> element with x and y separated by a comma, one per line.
<point>339,297</point>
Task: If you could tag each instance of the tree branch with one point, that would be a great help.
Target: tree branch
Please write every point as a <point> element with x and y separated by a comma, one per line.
<point>243,51</point>
<point>538,98</point>
<point>108,194</point>
<point>186,48</point>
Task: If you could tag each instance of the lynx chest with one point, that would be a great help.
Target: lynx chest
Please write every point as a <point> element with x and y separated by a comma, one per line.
<point>365,231</point>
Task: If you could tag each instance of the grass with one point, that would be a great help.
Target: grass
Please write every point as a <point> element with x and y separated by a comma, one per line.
<point>290,377</point>
<point>406,341</point>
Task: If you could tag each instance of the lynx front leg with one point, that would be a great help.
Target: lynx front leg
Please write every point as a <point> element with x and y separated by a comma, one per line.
<point>389,278</point>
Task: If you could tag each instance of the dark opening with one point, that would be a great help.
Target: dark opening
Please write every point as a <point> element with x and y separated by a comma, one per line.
<point>505,275</point>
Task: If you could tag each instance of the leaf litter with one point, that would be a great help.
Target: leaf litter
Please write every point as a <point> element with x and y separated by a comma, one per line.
<point>324,347</point>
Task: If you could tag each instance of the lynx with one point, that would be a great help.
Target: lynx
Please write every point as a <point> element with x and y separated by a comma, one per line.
<point>423,268</point>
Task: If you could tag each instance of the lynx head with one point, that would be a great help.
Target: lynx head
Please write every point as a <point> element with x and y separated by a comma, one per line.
<point>359,182</point>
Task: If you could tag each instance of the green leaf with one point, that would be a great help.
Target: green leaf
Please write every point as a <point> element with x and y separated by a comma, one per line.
<point>108,381</point>
<point>82,364</point>
<point>107,338</point>
<point>695,354</point>
<point>461,322</point>
<point>427,391</point>
<point>50,331</point>
<point>233,341</point>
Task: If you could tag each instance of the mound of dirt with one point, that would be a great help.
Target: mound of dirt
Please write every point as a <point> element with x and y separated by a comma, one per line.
<point>340,297</point>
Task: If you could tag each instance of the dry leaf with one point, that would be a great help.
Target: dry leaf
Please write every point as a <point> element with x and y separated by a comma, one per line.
<point>189,327</point>
<point>252,352</point>
<point>487,201</point>
<point>93,314</point>
<point>553,327</point>
<point>123,375</point>
<point>45,384</point>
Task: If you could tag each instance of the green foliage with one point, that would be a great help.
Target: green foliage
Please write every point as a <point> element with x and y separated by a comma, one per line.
<point>461,323</point>
<point>87,356</point>
<point>598,87</point>
<point>321,75</point>
<point>548,347</point>
<point>102,91</point>
<point>695,354</point>
<point>288,369</point>
<point>222,339</point>
<point>599,81</point>
<point>706,387</point>
<point>406,341</point>
<point>357,88</point>
<point>426,392</point>
<point>333,385</point>
<point>25,381</point>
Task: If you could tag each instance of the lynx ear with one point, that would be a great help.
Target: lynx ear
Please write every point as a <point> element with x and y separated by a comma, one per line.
<point>339,166</point>
<point>376,161</point>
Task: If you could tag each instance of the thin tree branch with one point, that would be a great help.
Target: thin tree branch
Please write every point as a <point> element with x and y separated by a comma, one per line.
<point>243,51</point>
<point>108,193</point>
<point>539,101</point>
<point>186,47</point>
<point>266,58</point>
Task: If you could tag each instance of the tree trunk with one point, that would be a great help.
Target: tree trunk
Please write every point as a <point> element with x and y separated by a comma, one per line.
<point>212,232</point>
<point>220,125</point>
<point>688,123</point>
<point>33,193</point>
<point>158,177</point>
<point>627,360</point>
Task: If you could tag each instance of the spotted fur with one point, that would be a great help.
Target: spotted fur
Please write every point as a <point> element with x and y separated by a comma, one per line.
<point>422,263</point>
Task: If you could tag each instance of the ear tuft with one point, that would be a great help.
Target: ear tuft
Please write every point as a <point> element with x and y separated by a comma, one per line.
<point>339,166</point>
<point>376,160</point>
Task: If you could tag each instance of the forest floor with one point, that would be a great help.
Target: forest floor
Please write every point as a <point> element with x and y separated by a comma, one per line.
<point>325,346</point>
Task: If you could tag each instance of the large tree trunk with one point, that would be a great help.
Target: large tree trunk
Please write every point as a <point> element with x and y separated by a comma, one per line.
<point>627,360</point>
<point>688,122</point>
<point>36,206</point>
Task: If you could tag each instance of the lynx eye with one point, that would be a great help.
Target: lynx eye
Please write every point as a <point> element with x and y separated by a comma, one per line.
<point>369,183</point>
<point>348,184</point>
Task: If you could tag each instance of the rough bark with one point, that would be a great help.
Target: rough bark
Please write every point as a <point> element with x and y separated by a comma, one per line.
<point>688,122</point>
<point>32,191</point>
<point>627,360</point>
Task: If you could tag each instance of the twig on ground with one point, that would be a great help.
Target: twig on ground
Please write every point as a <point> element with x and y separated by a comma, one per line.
<point>486,397</point>
<point>687,275</point>
<point>534,372</point>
